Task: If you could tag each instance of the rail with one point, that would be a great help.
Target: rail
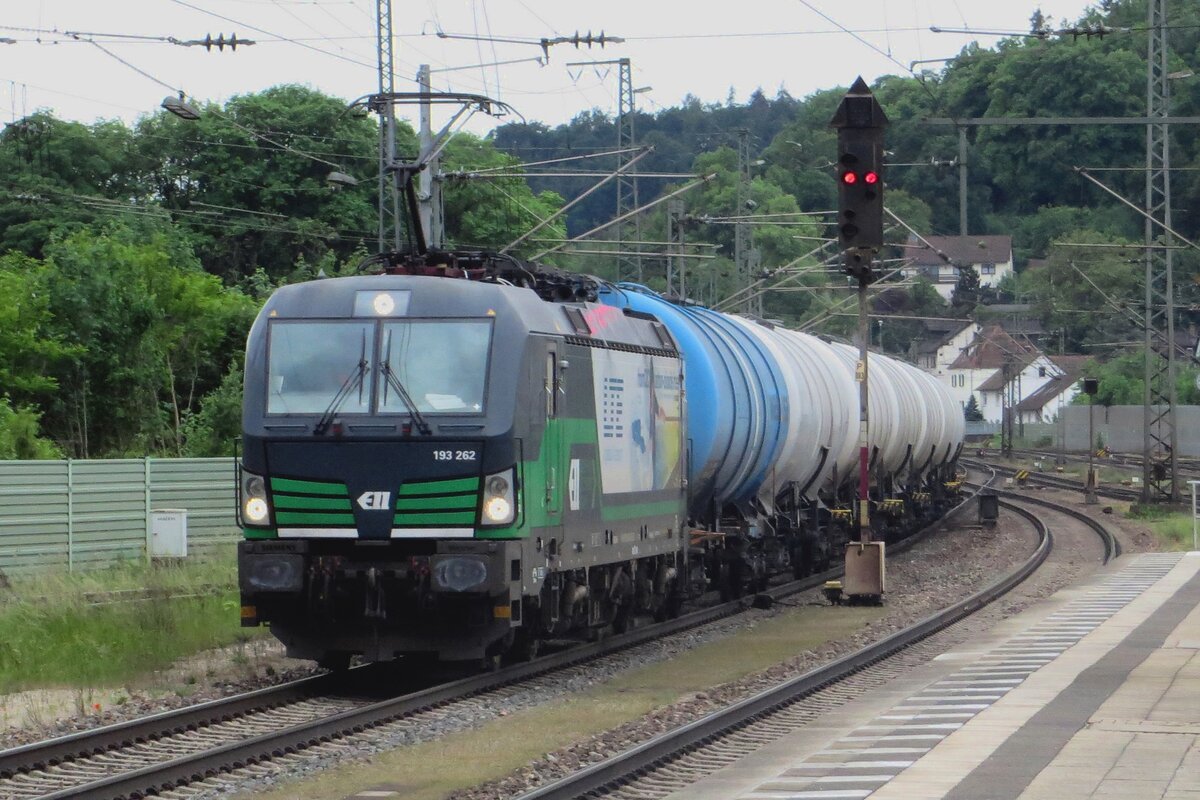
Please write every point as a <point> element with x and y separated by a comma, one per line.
<point>676,742</point>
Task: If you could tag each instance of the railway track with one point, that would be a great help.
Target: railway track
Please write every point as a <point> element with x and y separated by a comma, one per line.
<point>671,762</point>
<point>1116,459</point>
<point>201,743</point>
<point>1058,481</point>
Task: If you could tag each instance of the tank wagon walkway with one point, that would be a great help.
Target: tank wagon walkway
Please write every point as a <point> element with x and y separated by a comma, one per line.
<point>1093,693</point>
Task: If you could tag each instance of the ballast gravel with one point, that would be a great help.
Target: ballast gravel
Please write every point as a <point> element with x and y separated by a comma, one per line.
<point>946,566</point>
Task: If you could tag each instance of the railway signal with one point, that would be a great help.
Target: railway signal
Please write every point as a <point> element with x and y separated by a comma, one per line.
<point>860,121</point>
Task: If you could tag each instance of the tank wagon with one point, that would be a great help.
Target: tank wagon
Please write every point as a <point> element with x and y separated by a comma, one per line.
<point>464,463</point>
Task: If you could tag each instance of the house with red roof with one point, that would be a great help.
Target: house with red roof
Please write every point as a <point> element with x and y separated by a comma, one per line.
<point>940,262</point>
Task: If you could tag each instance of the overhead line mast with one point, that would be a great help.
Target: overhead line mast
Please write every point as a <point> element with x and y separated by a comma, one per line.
<point>1159,441</point>
<point>389,192</point>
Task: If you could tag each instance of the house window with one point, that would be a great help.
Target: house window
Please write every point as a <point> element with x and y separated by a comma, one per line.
<point>984,396</point>
<point>1041,372</point>
<point>987,269</point>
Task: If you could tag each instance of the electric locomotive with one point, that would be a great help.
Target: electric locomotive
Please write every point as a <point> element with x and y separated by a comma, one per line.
<point>446,464</point>
<point>467,455</point>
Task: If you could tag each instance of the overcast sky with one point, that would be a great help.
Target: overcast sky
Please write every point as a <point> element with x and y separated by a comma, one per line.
<point>676,48</point>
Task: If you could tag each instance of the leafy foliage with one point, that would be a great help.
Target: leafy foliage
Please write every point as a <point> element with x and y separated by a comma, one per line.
<point>20,436</point>
<point>136,256</point>
<point>1122,381</point>
<point>153,333</point>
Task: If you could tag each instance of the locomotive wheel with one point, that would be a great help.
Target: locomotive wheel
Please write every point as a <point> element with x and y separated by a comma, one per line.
<point>525,647</point>
<point>621,617</point>
<point>335,661</point>
<point>730,581</point>
<point>671,605</point>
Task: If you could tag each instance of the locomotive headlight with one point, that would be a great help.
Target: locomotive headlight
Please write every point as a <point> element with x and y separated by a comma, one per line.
<point>255,508</point>
<point>497,509</point>
<point>499,504</point>
<point>383,304</point>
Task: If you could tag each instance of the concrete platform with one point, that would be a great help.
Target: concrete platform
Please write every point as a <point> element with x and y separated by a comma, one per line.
<point>1092,693</point>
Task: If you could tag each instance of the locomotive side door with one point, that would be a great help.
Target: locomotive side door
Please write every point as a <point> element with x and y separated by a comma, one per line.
<point>552,443</point>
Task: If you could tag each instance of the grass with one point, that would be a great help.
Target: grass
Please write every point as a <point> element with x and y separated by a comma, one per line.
<point>497,748</point>
<point>52,634</point>
<point>1173,528</point>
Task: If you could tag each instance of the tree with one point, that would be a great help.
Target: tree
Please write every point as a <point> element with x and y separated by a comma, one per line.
<point>965,296</point>
<point>29,349</point>
<point>493,212</point>
<point>212,429</point>
<point>152,332</point>
<point>1121,381</point>
<point>20,436</point>
<point>971,411</point>
<point>1077,280</point>
<point>51,170</point>
<point>248,179</point>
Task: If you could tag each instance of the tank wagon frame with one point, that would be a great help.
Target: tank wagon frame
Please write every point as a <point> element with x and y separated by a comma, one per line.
<point>464,460</point>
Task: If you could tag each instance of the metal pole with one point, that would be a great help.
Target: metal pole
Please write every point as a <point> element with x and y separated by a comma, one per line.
<point>429,189</point>
<point>864,424</point>
<point>627,189</point>
<point>741,229</point>
<point>962,181</point>
<point>1195,518</point>
<point>70,515</point>
<point>146,503</point>
<point>1089,491</point>
<point>1160,440</point>
<point>389,194</point>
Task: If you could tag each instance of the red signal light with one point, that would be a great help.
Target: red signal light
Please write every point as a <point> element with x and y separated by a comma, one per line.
<point>871,178</point>
<point>849,178</point>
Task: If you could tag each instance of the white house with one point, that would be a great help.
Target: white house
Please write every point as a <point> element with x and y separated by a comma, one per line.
<point>1047,402</point>
<point>988,364</point>
<point>991,256</point>
<point>942,342</point>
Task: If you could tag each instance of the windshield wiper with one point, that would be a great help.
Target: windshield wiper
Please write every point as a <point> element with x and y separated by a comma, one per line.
<point>353,380</point>
<point>391,380</point>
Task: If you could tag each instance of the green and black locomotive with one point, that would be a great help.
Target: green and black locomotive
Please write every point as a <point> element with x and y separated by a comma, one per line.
<point>454,467</point>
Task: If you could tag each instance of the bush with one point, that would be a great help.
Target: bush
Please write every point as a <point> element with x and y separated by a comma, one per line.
<point>20,434</point>
<point>211,430</point>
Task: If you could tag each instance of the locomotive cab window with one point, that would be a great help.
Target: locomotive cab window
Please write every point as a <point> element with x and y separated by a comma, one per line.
<point>441,365</point>
<point>312,363</point>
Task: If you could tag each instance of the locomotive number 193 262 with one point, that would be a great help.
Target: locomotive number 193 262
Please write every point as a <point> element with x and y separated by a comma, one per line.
<point>455,455</point>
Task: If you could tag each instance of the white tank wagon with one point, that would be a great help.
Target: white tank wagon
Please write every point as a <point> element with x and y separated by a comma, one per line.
<point>773,437</point>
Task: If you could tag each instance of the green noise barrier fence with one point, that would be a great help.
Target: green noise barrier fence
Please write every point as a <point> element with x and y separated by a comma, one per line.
<point>80,513</point>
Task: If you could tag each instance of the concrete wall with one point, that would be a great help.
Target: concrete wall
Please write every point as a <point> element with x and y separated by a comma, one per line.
<point>1121,428</point>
